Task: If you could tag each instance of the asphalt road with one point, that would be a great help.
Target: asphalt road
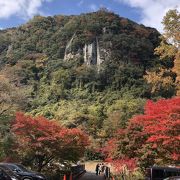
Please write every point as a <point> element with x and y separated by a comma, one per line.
<point>91,176</point>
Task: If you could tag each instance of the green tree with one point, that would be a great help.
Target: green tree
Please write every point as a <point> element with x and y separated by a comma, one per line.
<point>120,112</point>
<point>12,98</point>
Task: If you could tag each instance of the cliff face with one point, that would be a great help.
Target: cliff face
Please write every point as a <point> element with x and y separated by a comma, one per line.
<point>92,53</point>
<point>95,37</point>
<point>68,54</point>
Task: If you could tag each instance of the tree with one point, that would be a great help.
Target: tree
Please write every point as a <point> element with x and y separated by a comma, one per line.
<point>152,138</point>
<point>41,141</point>
<point>120,112</point>
<point>161,82</point>
<point>6,137</point>
<point>170,44</point>
<point>12,98</point>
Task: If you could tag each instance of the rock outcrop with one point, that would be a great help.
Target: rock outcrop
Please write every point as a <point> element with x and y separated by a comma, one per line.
<point>90,53</point>
<point>93,53</point>
<point>68,54</point>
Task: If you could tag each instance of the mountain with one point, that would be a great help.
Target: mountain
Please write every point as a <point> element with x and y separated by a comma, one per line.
<point>89,38</point>
<point>85,71</point>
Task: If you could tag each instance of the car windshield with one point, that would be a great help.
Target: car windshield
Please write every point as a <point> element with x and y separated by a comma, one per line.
<point>22,167</point>
<point>14,168</point>
<point>18,168</point>
<point>8,171</point>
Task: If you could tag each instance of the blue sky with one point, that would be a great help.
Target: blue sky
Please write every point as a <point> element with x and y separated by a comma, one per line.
<point>147,12</point>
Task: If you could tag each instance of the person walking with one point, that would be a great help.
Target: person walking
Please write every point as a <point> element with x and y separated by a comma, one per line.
<point>107,172</point>
<point>100,169</point>
<point>103,168</point>
<point>97,169</point>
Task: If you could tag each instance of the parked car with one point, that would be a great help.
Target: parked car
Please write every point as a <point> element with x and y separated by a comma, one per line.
<point>160,173</point>
<point>22,172</point>
<point>173,178</point>
<point>6,174</point>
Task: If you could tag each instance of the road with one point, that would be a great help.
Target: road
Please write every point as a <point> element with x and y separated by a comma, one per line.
<point>91,176</point>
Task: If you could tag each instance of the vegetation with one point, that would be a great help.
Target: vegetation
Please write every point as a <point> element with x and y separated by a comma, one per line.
<point>151,138</point>
<point>102,100</point>
<point>169,46</point>
<point>40,141</point>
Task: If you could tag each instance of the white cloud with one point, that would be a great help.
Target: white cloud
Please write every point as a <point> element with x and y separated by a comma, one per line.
<point>22,8</point>
<point>93,7</point>
<point>153,11</point>
<point>80,3</point>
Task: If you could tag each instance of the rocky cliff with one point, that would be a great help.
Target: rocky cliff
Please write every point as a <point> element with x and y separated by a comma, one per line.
<point>93,53</point>
<point>94,38</point>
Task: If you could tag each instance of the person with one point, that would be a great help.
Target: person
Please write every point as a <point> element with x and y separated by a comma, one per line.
<point>102,168</point>
<point>107,172</point>
<point>79,162</point>
<point>97,169</point>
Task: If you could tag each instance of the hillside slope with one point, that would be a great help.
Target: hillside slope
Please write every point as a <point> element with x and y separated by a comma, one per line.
<point>86,71</point>
<point>92,38</point>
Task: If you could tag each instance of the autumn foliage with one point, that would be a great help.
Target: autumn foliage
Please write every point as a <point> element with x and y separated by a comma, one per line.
<point>151,138</point>
<point>41,141</point>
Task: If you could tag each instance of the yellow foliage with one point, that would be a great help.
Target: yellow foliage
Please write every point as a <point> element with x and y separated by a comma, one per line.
<point>171,24</point>
<point>176,69</point>
<point>159,80</point>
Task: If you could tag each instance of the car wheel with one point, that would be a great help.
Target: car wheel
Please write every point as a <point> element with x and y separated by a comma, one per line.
<point>26,178</point>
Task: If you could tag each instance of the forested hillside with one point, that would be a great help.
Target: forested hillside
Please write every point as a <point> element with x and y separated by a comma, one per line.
<point>92,71</point>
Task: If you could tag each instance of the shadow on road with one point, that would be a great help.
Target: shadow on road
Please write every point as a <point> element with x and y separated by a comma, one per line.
<point>91,176</point>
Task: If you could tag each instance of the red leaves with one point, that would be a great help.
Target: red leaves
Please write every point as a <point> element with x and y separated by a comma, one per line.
<point>163,107</point>
<point>164,131</point>
<point>175,156</point>
<point>110,147</point>
<point>157,138</point>
<point>125,163</point>
<point>161,122</point>
<point>153,137</point>
<point>47,137</point>
<point>40,129</point>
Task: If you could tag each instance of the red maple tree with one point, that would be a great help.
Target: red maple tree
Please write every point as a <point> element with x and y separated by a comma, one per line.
<point>41,141</point>
<point>151,138</point>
